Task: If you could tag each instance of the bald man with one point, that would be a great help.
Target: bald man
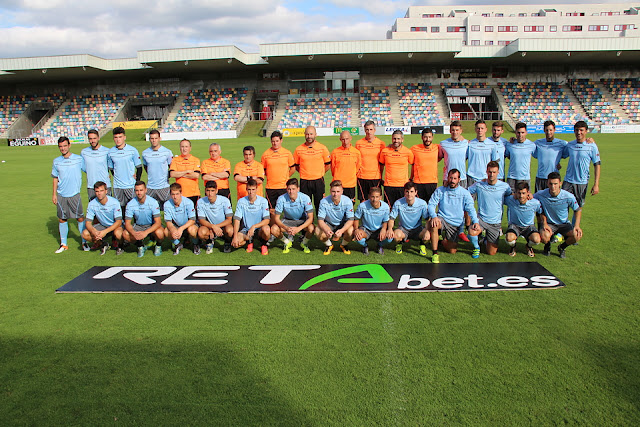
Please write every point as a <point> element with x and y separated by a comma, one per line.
<point>312,161</point>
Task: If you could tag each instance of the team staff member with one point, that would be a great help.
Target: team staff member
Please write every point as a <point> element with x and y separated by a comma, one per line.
<point>95,161</point>
<point>346,160</point>
<point>424,172</point>
<point>370,173</point>
<point>312,161</point>
<point>145,212</point>
<point>125,166</point>
<point>395,159</point>
<point>247,169</point>
<point>185,168</point>
<point>217,169</point>
<point>214,216</point>
<point>278,163</point>
<point>104,218</point>
<point>156,160</point>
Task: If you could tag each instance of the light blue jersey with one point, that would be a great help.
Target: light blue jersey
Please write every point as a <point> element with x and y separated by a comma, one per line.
<point>549,155</point>
<point>294,209</point>
<point>179,214</point>
<point>519,214</point>
<point>372,218</point>
<point>455,156</point>
<point>500,149</point>
<point>142,213</point>
<point>480,154</point>
<point>95,162</point>
<point>581,155</point>
<point>215,212</point>
<point>124,162</point>
<point>490,198</point>
<point>106,214</point>
<point>411,216</point>
<point>69,174</point>
<point>519,154</point>
<point>335,214</point>
<point>556,209</point>
<point>251,213</point>
<point>157,163</point>
<point>452,203</point>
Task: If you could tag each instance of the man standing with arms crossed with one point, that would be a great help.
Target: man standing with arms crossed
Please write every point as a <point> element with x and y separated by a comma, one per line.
<point>185,168</point>
<point>549,153</point>
<point>278,166</point>
<point>145,212</point>
<point>218,170</point>
<point>126,167</point>
<point>312,161</point>
<point>248,169</point>
<point>346,161</point>
<point>425,165</point>
<point>156,160</point>
<point>95,162</point>
<point>395,158</point>
<point>370,174</point>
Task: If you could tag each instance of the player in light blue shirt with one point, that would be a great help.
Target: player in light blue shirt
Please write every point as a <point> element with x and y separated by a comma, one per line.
<point>95,160</point>
<point>519,151</point>
<point>252,214</point>
<point>549,153</point>
<point>555,218</point>
<point>67,179</point>
<point>142,219</point>
<point>125,166</point>
<point>481,151</point>
<point>490,195</point>
<point>372,222</point>
<point>521,211</point>
<point>297,216</point>
<point>454,152</point>
<point>451,203</point>
<point>104,218</point>
<point>180,217</point>
<point>581,154</point>
<point>214,216</point>
<point>410,211</point>
<point>497,128</point>
<point>335,219</point>
<point>156,160</point>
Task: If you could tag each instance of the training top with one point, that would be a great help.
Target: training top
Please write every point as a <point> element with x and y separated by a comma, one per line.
<point>106,214</point>
<point>396,164</point>
<point>215,212</point>
<point>425,163</point>
<point>69,174</point>
<point>556,209</point>
<point>490,198</point>
<point>370,152</point>
<point>519,154</point>
<point>452,203</point>
<point>217,166</point>
<point>500,148</point>
<point>455,156</point>
<point>370,217</point>
<point>253,169</point>
<point>549,154</point>
<point>276,165</point>
<point>311,160</point>
<point>580,156</point>
<point>142,213</point>
<point>190,186</point>
<point>345,163</point>
<point>519,214</point>
<point>411,216</point>
<point>157,163</point>
<point>124,162</point>
<point>251,213</point>
<point>335,214</point>
<point>95,162</point>
<point>179,214</point>
<point>480,153</point>
<point>294,209</point>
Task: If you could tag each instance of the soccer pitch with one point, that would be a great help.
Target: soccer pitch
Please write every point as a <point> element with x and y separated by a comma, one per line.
<point>570,355</point>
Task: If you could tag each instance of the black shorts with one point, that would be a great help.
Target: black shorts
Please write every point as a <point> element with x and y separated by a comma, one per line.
<point>349,192</point>
<point>225,192</point>
<point>426,190</point>
<point>273,194</point>
<point>364,185</point>
<point>391,194</point>
<point>541,184</point>
<point>313,188</point>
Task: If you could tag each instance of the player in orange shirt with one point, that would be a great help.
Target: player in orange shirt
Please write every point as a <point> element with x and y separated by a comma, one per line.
<point>395,158</point>
<point>185,168</point>
<point>278,166</point>
<point>346,161</point>
<point>370,174</point>
<point>218,169</point>
<point>312,161</point>
<point>247,169</point>
<point>425,166</point>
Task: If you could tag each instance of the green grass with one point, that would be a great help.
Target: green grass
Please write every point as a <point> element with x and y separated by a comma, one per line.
<point>566,356</point>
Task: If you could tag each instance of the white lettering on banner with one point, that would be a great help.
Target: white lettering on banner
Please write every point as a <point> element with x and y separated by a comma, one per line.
<point>405,279</point>
<point>277,273</point>
<point>139,278</point>
<point>544,281</point>
<point>472,281</point>
<point>512,281</point>
<point>448,282</point>
<point>180,278</point>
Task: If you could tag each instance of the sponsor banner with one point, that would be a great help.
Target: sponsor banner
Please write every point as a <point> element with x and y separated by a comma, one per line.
<point>323,132</point>
<point>436,130</point>
<point>559,128</point>
<point>620,129</point>
<point>456,92</point>
<point>317,278</point>
<point>137,124</point>
<point>179,136</point>
<point>48,140</point>
<point>477,91</point>
<point>77,140</point>
<point>388,130</point>
<point>352,131</point>
<point>293,132</point>
<point>22,142</point>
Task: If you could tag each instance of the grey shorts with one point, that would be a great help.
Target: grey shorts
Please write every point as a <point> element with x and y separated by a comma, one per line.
<point>335,227</point>
<point>541,184</point>
<point>522,231</point>
<point>563,229</point>
<point>140,227</point>
<point>99,226</point>
<point>375,235</point>
<point>578,190</point>
<point>413,234</point>
<point>449,232</point>
<point>293,222</point>
<point>70,207</point>
<point>470,181</point>
<point>92,193</point>
<point>124,195</point>
<point>492,231</point>
<point>161,195</point>
<point>513,183</point>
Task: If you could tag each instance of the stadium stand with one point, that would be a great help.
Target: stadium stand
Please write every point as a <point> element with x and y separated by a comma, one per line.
<point>375,105</point>
<point>320,112</point>
<point>11,107</point>
<point>627,93</point>
<point>418,105</point>
<point>459,85</point>
<point>156,94</point>
<point>209,110</point>
<point>594,102</point>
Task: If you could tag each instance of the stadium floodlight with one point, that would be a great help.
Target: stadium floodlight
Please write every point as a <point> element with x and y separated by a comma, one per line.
<point>524,54</point>
<point>310,57</point>
<point>360,55</point>
<point>410,54</point>
<point>44,71</point>
<point>186,62</point>
<point>618,53</point>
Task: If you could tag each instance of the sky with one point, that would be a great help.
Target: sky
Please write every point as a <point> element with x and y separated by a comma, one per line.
<point>120,28</point>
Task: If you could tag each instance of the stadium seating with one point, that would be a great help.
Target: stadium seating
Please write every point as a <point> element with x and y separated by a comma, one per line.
<point>417,104</point>
<point>11,107</point>
<point>320,112</point>
<point>533,103</point>
<point>375,105</point>
<point>156,94</point>
<point>627,93</point>
<point>594,102</point>
<point>462,85</point>
<point>209,110</point>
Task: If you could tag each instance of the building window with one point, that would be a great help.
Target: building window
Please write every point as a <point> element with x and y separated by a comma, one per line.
<point>488,29</point>
<point>522,15</point>
<point>553,28</point>
<point>574,14</point>
<point>456,29</point>
<point>533,28</point>
<point>507,29</point>
<point>488,42</point>
<point>432,15</point>
<point>464,42</point>
<point>486,15</point>
<point>475,28</point>
<point>535,14</point>
<point>609,13</point>
<point>475,42</point>
<point>598,28</point>
<point>571,28</point>
<point>435,29</point>
<point>624,27</point>
<point>423,29</point>
<point>504,42</point>
<point>499,15</point>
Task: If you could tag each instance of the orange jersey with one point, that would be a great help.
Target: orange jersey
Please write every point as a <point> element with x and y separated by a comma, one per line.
<point>276,165</point>
<point>395,163</point>
<point>212,166</point>
<point>425,164</point>
<point>345,164</point>
<point>190,186</point>
<point>311,160</point>
<point>370,152</point>
<point>253,169</point>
